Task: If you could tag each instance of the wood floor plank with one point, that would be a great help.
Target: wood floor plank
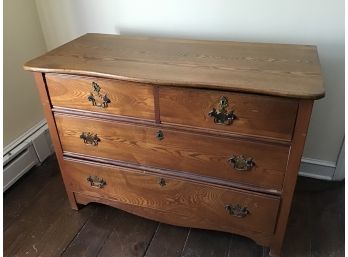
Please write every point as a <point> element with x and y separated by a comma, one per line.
<point>242,246</point>
<point>168,241</point>
<point>94,233</point>
<point>34,221</point>
<point>205,243</point>
<point>327,220</point>
<point>62,232</point>
<point>298,221</point>
<point>22,194</point>
<point>59,234</point>
<point>41,223</point>
<point>130,237</point>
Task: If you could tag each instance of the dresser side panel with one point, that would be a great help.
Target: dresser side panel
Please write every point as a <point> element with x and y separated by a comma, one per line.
<point>296,151</point>
<point>45,101</point>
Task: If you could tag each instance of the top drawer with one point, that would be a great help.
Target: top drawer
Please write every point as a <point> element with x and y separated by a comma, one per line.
<point>247,114</point>
<point>101,95</point>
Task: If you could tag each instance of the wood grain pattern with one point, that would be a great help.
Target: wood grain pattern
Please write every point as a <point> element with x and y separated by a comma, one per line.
<point>263,116</point>
<point>205,155</point>
<point>241,246</point>
<point>313,228</point>
<point>48,218</point>
<point>92,236</point>
<point>301,128</point>
<point>170,85</point>
<point>168,241</point>
<point>274,69</point>
<point>206,243</point>
<point>130,237</point>
<point>186,203</point>
<point>49,205</point>
<point>16,201</point>
<point>59,233</point>
<point>177,127</point>
<point>162,216</point>
<point>46,104</point>
<point>189,176</point>
<point>127,98</point>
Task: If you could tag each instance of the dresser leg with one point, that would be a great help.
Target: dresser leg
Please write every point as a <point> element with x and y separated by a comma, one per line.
<point>274,252</point>
<point>72,200</point>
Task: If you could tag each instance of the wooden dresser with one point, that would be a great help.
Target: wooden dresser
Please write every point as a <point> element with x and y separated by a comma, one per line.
<point>203,134</point>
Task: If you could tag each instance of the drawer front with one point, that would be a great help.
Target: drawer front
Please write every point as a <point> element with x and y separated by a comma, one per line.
<point>195,153</point>
<point>200,205</point>
<point>246,114</point>
<point>101,95</point>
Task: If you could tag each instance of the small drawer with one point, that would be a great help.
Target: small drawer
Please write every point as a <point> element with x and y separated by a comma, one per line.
<point>101,95</point>
<point>252,163</point>
<point>184,203</point>
<point>247,114</point>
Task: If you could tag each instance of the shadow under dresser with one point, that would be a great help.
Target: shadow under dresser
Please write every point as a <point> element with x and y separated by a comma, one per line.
<point>204,134</point>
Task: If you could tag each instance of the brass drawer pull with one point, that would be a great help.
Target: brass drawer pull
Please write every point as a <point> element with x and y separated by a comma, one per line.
<point>241,163</point>
<point>162,182</point>
<point>222,116</point>
<point>96,181</point>
<point>97,98</point>
<point>159,135</point>
<point>89,138</point>
<point>237,211</point>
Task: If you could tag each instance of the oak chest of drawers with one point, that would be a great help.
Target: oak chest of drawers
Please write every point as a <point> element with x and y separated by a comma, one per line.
<point>192,133</point>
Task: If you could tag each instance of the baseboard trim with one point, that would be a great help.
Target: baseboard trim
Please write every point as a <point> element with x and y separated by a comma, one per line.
<point>24,161</point>
<point>24,137</point>
<point>340,166</point>
<point>26,151</point>
<point>318,169</point>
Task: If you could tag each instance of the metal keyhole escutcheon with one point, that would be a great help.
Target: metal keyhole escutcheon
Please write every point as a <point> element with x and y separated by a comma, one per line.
<point>162,182</point>
<point>159,135</point>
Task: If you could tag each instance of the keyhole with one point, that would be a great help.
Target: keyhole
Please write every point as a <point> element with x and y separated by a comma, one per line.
<point>162,182</point>
<point>159,135</point>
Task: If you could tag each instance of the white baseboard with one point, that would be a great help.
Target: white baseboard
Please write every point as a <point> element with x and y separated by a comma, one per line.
<point>340,166</point>
<point>20,164</point>
<point>28,150</point>
<point>318,169</point>
<point>24,136</point>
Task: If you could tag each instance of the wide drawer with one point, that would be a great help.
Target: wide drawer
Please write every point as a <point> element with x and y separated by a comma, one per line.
<point>101,95</point>
<point>164,148</point>
<point>185,203</point>
<point>247,114</point>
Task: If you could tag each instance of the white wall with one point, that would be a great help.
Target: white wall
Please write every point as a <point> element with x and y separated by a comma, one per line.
<point>317,22</point>
<point>23,40</point>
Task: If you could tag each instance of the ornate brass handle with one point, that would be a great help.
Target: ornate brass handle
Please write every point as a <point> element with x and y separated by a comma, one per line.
<point>241,163</point>
<point>162,182</point>
<point>159,135</point>
<point>237,211</point>
<point>96,181</point>
<point>222,116</point>
<point>97,98</point>
<point>89,138</point>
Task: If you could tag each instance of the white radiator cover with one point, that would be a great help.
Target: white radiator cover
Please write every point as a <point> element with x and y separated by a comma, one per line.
<point>30,149</point>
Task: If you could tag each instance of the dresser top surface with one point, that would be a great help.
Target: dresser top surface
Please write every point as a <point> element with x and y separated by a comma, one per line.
<point>262,68</point>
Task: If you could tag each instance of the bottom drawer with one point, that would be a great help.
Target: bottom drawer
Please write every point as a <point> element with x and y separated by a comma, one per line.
<point>179,202</point>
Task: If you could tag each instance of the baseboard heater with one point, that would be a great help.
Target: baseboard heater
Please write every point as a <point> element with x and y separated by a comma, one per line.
<point>27,151</point>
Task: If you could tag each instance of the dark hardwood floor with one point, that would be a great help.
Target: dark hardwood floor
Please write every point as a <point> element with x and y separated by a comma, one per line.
<point>38,221</point>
